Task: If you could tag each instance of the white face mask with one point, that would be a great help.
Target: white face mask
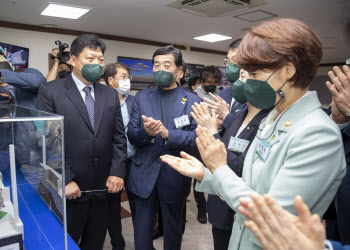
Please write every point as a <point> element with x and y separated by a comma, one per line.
<point>124,86</point>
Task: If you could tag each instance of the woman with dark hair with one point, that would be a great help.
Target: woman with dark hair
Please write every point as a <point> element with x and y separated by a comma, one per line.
<point>297,150</point>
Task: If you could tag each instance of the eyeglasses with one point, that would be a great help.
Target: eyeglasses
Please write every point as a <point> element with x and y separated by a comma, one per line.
<point>226,61</point>
<point>125,77</point>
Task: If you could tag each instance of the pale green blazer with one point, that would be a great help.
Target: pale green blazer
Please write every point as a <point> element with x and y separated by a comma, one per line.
<point>306,158</point>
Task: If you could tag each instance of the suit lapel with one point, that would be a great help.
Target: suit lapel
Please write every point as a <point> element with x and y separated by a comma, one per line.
<point>99,105</point>
<point>179,106</point>
<point>73,94</point>
<point>154,100</point>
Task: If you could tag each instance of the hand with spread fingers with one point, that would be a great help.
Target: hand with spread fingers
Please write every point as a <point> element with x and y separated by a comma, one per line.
<point>152,127</point>
<point>203,118</point>
<point>277,229</point>
<point>187,165</point>
<point>213,151</point>
<point>221,107</point>
<point>340,90</point>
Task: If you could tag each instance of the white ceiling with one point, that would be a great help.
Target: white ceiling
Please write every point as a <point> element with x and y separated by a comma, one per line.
<point>153,20</point>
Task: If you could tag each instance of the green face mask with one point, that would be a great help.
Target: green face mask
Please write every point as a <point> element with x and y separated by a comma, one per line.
<point>238,91</point>
<point>163,79</point>
<point>260,94</point>
<point>91,72</point>
<point>232,72</point>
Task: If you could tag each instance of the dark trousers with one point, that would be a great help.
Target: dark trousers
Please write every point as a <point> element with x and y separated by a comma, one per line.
<point>130,197</point>
<point>200,199</point>
<point>160,219</point>
<point>221,238</point>
<point>343,208</point>
<point>145,213</point>
<point>88,221</point>
<point>115,223</point>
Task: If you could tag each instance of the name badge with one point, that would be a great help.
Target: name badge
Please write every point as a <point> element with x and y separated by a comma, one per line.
<point>237,144</point>
<point>182,121</point>
<point>263,149</point>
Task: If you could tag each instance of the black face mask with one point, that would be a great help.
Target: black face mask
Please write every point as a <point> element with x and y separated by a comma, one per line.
<point>63,74</point>
<point>210,88</point>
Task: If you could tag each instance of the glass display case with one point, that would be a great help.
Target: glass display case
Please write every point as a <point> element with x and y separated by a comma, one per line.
<point>32,195</point>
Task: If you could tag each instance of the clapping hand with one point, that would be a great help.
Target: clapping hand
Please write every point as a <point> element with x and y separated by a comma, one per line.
<point>202,117</point>
<point>277,229</point>
<point>187,165</point>
<point>154,127</point>
<point>221,107</point>
<point>340,90</point>
<point>213,151</point>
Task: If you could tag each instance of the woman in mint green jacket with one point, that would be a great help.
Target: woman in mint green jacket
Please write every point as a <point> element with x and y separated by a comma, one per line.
<point>298,148</point>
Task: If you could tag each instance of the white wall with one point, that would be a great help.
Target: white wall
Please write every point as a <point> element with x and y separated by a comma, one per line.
<point>40,44</point>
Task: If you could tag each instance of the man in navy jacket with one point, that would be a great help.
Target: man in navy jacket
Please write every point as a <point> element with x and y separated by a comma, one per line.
<point>340,109</point>
<point>160,123</point>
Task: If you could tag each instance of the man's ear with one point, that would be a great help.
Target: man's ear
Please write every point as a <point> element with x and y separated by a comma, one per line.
<point>73,61</point>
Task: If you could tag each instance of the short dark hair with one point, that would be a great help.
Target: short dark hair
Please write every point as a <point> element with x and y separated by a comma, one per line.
<point>70,66</point>
<point>235,44</point>
<point>170,49</point>
<point>83,41</point>
<point>112,69</point>
<point>192,81</point>
<point>5,65</point>
<point>211,70</point>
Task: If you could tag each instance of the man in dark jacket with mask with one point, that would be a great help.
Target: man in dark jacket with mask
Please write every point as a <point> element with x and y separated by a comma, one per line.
<point>95,143</point>
<point>161,123</point>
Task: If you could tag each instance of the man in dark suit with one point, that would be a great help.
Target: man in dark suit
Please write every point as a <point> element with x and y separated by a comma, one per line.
<point>225,105</point>
<point>95,143</point>
<point>160,123</point>
<point>117,77</point>
<point>340,109</point>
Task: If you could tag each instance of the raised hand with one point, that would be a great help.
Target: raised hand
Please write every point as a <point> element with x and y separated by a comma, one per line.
<point>187,165</point>
<point>213,151</point>
<point>203,118</point>
<point>276,228</point>
<point>221,107</point>
<point>340,90</point>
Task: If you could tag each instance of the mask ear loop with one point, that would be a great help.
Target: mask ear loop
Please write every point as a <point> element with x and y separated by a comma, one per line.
<point>281,95</point>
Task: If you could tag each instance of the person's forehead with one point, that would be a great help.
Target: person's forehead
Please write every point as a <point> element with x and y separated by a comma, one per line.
<point>97,51</point>
<point>165,58</point>
<point>121,71</point>
<point>231,53</point>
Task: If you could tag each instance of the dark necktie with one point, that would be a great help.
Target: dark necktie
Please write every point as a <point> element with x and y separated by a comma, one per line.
<point>90,105</point>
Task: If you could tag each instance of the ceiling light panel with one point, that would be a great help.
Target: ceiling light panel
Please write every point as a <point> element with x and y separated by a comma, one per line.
<point>212,38</point>
<point>64,11</point>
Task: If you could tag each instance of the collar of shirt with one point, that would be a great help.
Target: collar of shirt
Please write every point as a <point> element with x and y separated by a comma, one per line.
<point>124,100</point>
<point>80,85</point>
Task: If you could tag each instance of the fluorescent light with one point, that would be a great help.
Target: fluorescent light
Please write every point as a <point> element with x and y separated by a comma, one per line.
<point>64,11</point>
<point>212,38</point>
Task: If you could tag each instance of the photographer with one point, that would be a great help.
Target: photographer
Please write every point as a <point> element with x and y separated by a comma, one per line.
<point>61,67</point>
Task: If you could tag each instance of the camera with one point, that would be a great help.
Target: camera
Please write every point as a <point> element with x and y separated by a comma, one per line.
<point>62,55</point>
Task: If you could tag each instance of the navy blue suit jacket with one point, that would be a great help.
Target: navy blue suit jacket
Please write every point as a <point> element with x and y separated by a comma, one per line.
<point>26,85</point>
<point>226,94</point>
<point>219,213</point>
<point>147,168</point>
